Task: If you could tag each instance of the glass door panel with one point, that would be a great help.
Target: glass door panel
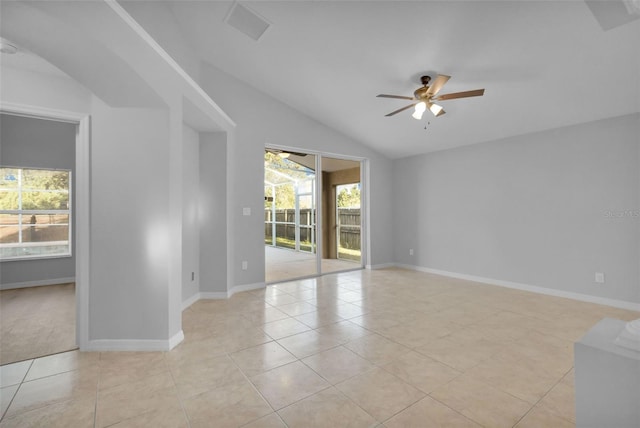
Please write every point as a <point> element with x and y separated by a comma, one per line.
<point>290,215</point>
<point>342,220</point>
<point>348,239</point>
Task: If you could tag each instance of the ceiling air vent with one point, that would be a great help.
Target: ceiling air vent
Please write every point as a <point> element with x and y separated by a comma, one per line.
<point>246,21</point>
<point>614,13</point>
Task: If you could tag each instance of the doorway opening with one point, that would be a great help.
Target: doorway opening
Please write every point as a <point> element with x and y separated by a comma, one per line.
<point>37,228</point>
<point>312,220</point>
<point>81,231</point>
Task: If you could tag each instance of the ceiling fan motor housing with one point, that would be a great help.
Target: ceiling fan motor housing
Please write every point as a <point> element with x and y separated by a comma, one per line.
<point>421,93</point>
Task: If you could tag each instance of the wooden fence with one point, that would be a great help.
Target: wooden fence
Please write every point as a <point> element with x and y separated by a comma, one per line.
<point>349,220</point>
<point>286,226</point>
<point>349,223</point>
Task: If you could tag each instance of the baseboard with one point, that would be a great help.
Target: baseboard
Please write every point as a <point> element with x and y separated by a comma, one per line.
<point>105,345</point>
<point>380,266</point>
<point>212,295</point>
<point>622,304</point>
<point>176,339</point>
<point>217,295</point>
<point>190,301</point>
<point>26,284</point>
<point>246,287</point>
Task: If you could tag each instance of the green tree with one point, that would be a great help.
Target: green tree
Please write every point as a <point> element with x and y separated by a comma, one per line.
<point>41,189</point>
<point>349,197</point>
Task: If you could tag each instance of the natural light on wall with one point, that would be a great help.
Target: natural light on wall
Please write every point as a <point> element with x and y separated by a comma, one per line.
<point>157,244</point>
<point>35,213</point>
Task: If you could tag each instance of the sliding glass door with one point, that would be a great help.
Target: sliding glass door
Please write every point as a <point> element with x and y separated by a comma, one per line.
<point>297,201</point>
<point>290,215</point>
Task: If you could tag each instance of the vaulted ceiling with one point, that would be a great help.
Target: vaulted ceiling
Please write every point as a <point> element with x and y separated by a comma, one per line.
<point>544,64</point>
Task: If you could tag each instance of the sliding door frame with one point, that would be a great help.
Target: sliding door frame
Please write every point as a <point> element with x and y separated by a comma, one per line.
<point>364,205</point>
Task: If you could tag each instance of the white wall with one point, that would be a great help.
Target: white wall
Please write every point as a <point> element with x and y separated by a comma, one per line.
<point>190,222</point>
<point>45,91</point>
<point>213,213</point>
<point>530,209</point>
<point>262,120</point>
<point>130,230</point>
<point>37,143</point>
<point>130,207</point>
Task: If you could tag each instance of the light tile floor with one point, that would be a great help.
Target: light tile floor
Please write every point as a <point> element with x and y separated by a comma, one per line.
<point>282,264</point>
<point>37,321</point>
<point>387,348</point>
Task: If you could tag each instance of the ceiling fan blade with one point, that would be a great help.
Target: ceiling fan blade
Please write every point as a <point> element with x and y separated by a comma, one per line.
<point>400,97</point>
<point>438,83</point>
<point>399,110</point>
<point>465,94</point>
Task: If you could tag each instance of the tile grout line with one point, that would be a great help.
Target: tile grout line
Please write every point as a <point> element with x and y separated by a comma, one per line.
<point>253,386</point>
<point>452,409</point>
<point>374,366</point>
<point>175,384</point>
<point>543,396</point>
<point>95,405</point>
<point>17,390</point>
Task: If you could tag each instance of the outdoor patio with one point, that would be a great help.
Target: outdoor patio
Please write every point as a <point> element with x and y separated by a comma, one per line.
<point>284,264</point>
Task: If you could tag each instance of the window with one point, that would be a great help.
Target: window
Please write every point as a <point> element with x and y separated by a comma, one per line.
<point>35,213</point>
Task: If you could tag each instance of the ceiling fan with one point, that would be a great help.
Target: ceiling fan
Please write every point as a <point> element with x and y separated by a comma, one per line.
<point>425,96</point>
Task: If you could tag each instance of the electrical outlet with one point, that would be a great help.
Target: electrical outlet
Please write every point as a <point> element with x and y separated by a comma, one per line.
<point>246,211</point>
<point>600,277</point>
<point>245,265</point>
<point>411,251</point>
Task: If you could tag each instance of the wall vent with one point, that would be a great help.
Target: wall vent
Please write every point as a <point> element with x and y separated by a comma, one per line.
<point>246,21</point>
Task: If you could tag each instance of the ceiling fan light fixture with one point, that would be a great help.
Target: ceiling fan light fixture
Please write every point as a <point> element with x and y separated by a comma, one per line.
<point>435,109</point>
<point>421,107</point>
<point>424,96</point>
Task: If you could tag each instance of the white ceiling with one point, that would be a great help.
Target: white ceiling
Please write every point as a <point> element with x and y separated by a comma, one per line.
<point>96,44</point>
<point>26,60</point>
<point>544,64</point>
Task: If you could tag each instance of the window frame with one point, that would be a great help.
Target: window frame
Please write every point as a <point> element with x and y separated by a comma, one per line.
<point>26,213</point>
